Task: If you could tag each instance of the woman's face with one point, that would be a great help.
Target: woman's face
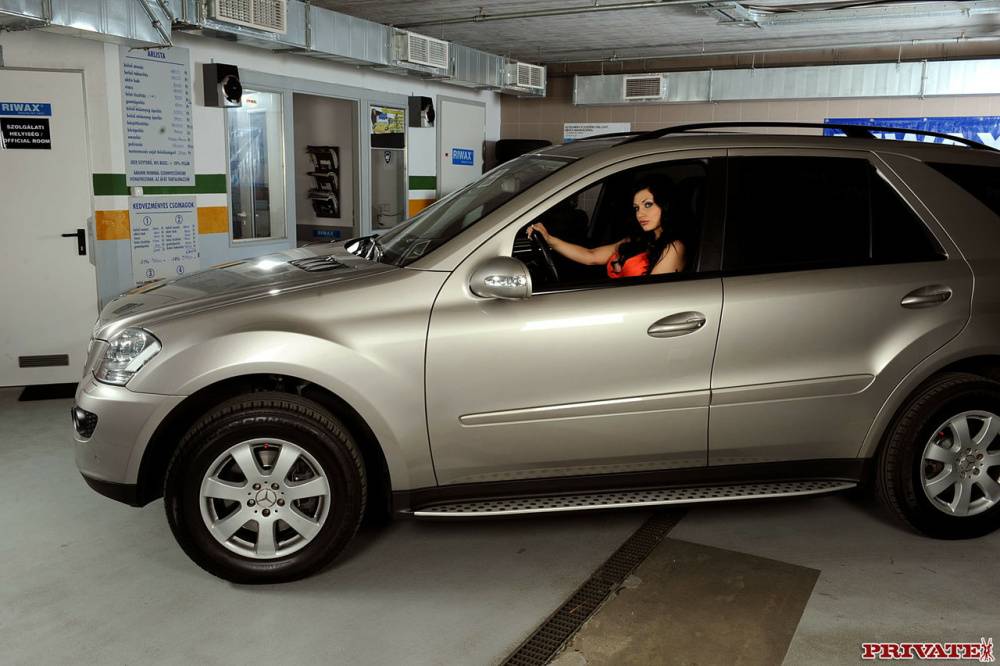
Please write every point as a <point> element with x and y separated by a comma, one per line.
<point>647,212</point>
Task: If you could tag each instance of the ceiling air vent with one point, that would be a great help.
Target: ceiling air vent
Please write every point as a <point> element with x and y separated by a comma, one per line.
<point>269,15</point>
<point>530,76</point>
<point>643,87</point>
<point>421,50</point>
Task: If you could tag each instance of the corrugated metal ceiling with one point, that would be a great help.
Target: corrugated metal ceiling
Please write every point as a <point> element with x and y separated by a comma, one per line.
<point>675,29</point>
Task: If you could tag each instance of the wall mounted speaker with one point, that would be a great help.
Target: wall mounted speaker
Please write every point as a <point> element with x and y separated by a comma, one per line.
<point>222,85</point>
<point>421,112</point>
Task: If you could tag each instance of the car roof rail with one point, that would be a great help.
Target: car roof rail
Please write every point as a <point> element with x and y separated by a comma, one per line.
<point>609,135</point>
<point>852,131</point>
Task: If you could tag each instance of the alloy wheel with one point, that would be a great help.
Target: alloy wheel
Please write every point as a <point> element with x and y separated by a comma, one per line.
<point>265,498</point>
<point>960,464</point>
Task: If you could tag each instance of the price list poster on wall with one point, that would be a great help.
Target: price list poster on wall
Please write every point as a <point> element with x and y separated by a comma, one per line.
<point>159,131</point>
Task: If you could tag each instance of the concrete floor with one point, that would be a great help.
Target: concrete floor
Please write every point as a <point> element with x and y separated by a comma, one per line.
<point>88,581</point>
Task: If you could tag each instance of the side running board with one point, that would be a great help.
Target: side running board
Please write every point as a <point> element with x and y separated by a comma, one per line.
<point>631,498</point>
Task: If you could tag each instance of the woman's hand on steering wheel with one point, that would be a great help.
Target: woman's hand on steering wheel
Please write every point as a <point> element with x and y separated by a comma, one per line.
<point>537,229</point>
<point>539,237</point>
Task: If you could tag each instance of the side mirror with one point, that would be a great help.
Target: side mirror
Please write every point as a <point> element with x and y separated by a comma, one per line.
<point>501,277</point>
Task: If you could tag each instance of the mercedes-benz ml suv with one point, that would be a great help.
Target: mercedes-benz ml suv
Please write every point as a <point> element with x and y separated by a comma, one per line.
<point>836,323</point>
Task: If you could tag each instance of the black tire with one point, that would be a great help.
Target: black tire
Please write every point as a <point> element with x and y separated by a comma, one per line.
<point>899,469</point>
<point>282,417</point>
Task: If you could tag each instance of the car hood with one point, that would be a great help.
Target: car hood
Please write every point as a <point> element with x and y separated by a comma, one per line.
<point>234,282</point>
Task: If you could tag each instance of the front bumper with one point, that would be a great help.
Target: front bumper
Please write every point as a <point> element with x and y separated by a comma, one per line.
<point>127,493</point>
<point>126,421</point>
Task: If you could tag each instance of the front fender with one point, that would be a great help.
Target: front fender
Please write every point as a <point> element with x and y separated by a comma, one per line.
<point>386,390</point>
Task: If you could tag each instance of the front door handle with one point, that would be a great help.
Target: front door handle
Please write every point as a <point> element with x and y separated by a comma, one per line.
<point>81,241</point>
<point>926,297</point>
<point>681,323</point>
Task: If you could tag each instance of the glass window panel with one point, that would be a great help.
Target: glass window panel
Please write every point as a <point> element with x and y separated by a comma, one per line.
<point>257,167</point>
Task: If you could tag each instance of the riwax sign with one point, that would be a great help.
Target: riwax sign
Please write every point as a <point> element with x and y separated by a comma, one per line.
<point>164,237</point>
<point>463,156</point>
<point>984,129</point>
<point>25,109</point>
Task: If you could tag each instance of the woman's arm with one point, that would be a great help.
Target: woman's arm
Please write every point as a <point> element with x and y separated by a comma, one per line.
<point>597,256</point>
<point>671,260</point>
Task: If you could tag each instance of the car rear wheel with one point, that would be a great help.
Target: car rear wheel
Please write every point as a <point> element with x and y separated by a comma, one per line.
<point>268,487</point>
<point>939,470</point>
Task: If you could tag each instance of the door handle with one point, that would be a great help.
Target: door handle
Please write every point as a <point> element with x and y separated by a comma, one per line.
<point>681,323</point>
<point>81,241</point>
<point>926,297</point>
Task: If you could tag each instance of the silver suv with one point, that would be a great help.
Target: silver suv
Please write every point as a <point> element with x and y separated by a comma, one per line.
<point>806,315</point>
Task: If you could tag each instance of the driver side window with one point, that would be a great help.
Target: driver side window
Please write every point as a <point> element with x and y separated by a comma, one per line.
<point>642,224</point>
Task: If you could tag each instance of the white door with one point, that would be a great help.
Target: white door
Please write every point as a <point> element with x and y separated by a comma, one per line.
<point>460,149</point>
<point>48,294</point>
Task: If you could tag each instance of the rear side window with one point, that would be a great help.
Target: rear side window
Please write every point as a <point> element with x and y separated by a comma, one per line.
<point>801,213</point>
<point>898,235</point>
<point>982,182</point>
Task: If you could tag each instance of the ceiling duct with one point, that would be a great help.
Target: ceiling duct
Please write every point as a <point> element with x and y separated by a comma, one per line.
<point>135,23</point>
<point>266,15</point>
<point>612,89</point>
<point>475,69</point>
<point>308,30</point>
<point>908,79</point>
<point>420,54</point>
<point>348,39</point>
<point>524,79</point>
<point>644,88</point>
<point>234,20</point>
<point>22,14</point>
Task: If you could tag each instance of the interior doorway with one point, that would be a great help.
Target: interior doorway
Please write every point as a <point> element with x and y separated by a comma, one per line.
<point>326,168</point>
<point>48,294</point>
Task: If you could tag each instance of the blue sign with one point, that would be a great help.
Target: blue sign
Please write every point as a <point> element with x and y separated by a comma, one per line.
<point>984,129</point>
<point>25,109</point>
<point>326,233</point>
<point>463,156</point>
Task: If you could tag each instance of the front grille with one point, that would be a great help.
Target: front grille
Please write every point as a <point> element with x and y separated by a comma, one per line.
<point>85,422</point>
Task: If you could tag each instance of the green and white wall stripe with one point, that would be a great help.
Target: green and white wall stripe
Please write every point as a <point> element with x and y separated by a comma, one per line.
<point>420,157</point>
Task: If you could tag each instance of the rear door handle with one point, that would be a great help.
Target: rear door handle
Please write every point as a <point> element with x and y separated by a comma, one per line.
<point>926,297</point>
<point>681,323</point>
<point>81,241</point>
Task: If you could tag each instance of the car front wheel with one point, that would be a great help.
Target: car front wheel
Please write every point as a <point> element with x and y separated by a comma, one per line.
<point>939,470</point>
<point>266,488</point>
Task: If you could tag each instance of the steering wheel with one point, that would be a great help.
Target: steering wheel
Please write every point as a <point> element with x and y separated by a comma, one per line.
<point>544,252</point>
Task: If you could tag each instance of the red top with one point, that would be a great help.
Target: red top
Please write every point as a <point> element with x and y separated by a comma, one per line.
<point>634,266</point>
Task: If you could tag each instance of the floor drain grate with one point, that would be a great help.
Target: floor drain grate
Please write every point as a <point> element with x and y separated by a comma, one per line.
<point>542,645</point>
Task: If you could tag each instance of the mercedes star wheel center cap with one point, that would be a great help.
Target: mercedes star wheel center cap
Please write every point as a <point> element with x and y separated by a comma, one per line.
<point>266,498</point>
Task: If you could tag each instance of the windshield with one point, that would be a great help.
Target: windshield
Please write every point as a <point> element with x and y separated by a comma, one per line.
<point>458,211</point>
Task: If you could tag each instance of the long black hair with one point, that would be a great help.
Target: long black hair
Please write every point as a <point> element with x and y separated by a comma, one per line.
<point>639,241</point>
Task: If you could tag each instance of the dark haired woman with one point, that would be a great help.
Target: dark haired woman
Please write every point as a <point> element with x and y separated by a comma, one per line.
<point>652,251</point>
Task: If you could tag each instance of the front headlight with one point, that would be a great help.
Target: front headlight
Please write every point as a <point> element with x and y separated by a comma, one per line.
<point>127,352</point>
